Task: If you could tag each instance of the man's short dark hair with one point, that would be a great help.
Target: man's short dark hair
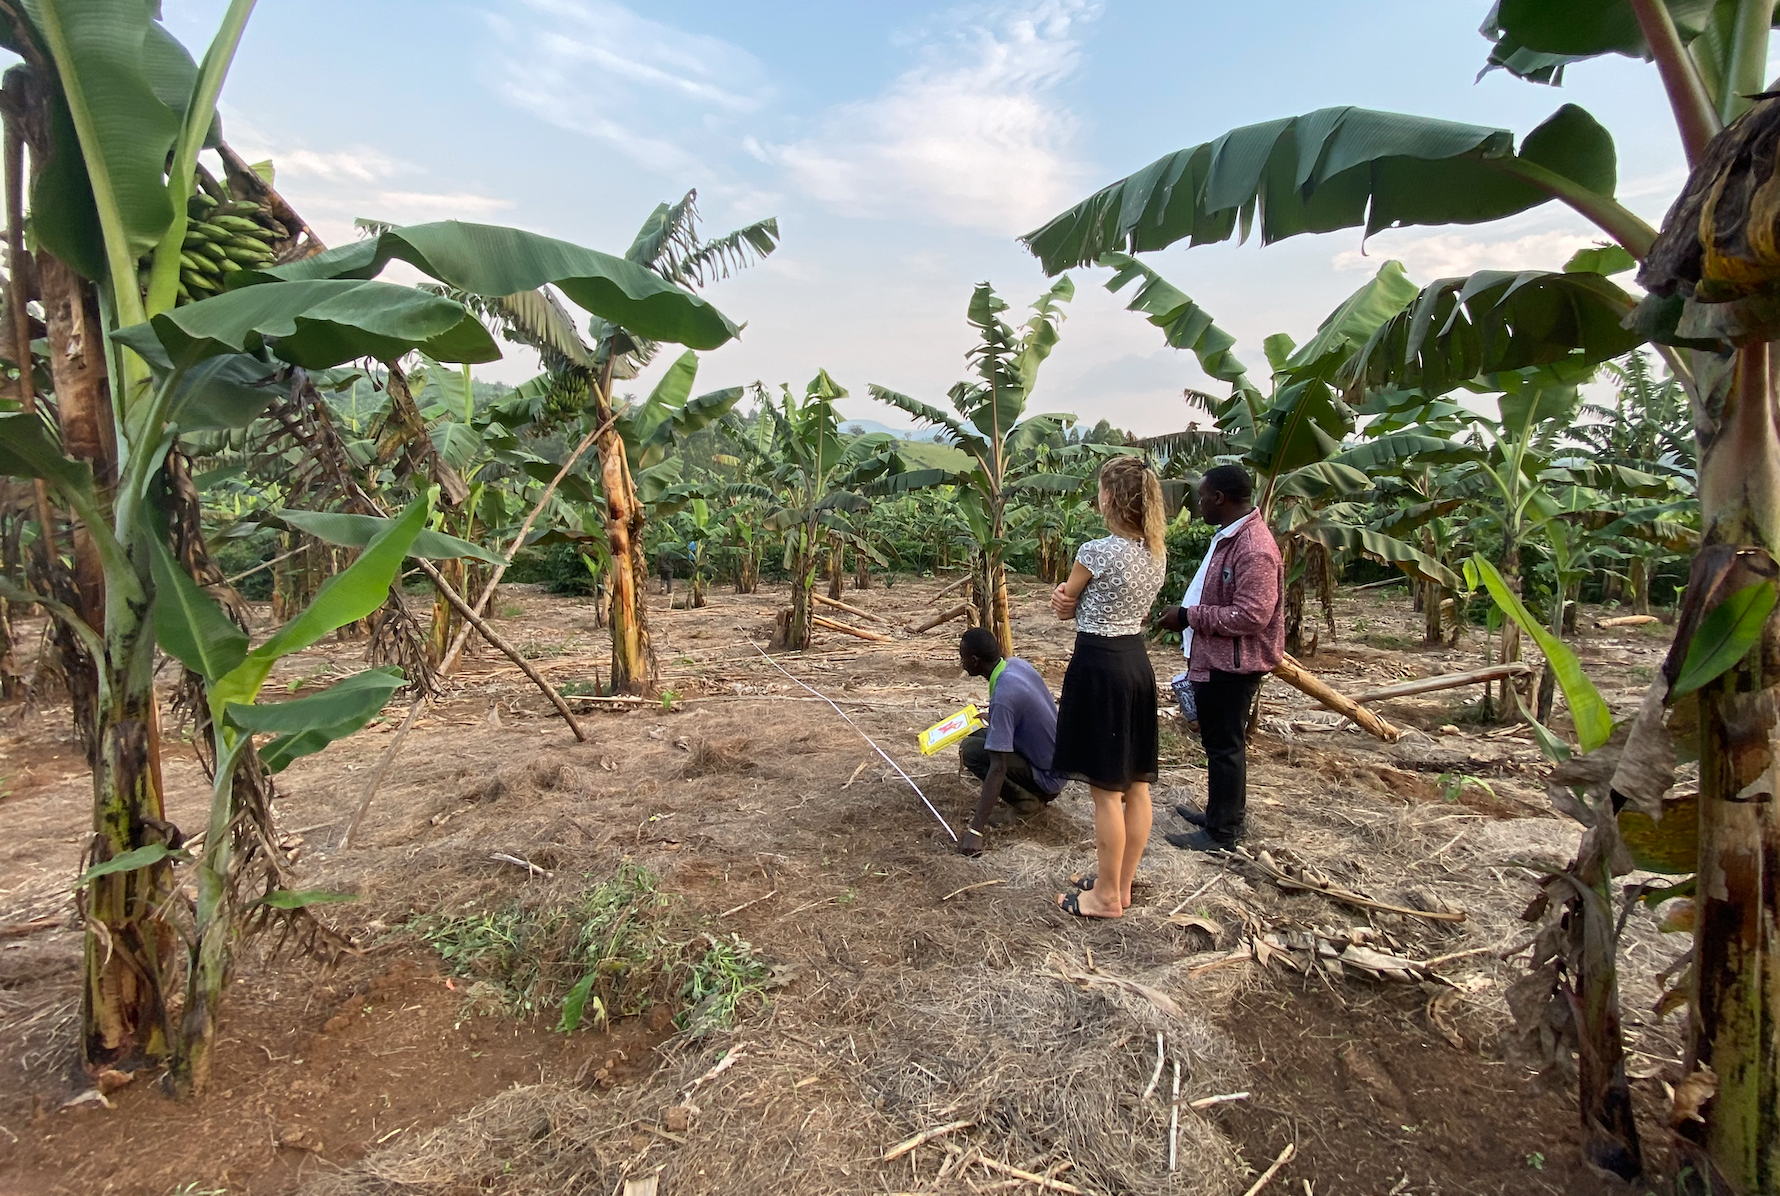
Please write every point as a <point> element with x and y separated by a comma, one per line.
<point>1231,481</point>
<point>981,643</point>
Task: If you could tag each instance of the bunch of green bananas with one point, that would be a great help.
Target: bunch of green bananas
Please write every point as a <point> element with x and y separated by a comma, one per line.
<point>222,237</point>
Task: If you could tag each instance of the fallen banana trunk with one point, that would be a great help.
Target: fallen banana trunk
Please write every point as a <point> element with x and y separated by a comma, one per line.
<point>825,600</point>
<point>1628,621</point>
<point>964,610</point>
<point>1306,682</point>
<point>1428,685</point>
<point>1308,879</point>
<point>831,625</point>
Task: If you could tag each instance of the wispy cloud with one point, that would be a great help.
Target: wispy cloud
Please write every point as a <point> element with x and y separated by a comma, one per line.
<point>1446,255</point>
<point>340,166</point>
<point>333,187</point>
<point>973,137</point>
<point>408,206</point>
<point>642,87</point>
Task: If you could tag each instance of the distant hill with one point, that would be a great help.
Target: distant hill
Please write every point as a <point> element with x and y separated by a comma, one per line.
<point>924,454</point>
<point>861,426</point>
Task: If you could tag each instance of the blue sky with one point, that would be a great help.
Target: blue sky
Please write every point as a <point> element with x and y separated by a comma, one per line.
<point>902,147</point>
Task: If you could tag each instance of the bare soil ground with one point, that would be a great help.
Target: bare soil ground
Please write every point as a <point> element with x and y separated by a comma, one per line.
<point>921,988</point>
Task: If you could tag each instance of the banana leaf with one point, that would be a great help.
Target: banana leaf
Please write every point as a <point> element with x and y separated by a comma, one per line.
<point>125,131</point>
<point>1184,324</point>
<point>486,259</point>
<point>190,626</point>
<point>344,598</point>
<point>1329,169</point>
<point>356,531</point>
<point>1588,711</point>
<point>304,726</point>
<point>1386,550</point>
<point>316,324</point>
<point>1493,322</point>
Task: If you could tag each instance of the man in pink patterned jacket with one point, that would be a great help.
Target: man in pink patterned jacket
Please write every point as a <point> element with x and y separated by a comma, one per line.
<point>1234,627</point>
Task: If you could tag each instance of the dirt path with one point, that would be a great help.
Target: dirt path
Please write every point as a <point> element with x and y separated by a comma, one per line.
<point>902,1007</point>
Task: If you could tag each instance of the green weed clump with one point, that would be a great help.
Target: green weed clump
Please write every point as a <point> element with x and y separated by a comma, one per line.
<point>613,949</point>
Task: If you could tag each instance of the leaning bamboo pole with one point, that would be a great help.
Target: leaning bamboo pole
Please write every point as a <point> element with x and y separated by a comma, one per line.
<point>452,654</point>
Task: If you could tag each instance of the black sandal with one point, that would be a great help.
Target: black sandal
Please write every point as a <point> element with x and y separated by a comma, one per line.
<point>1085,881</point>
<point>1071,903</point>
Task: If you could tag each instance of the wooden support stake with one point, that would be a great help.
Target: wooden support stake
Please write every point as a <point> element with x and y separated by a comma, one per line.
<point>389,755</point>
<point>508,650</point>
<point>1043,1181</point>
<point>1174,1121</point>
<point>1155,1076</point>
<point>1304,681</point>
<point>962,610</point>
<point>981,884</point>
<point>1285,1156</point>
<point>825,600</point>
<point>831,625</point>
<point>1428,685</point>
<point>494,579</point>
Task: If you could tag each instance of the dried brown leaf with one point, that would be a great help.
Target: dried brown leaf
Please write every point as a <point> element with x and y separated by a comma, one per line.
<point>1692,1094</point>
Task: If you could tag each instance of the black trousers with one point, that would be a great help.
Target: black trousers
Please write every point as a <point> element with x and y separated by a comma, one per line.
<point>1224,703</point>
<point>1020,785</point>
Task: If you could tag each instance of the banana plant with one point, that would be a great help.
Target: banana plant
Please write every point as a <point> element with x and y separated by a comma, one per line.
<point>194,629</point>
<point>127,113</point>
<point>816,475</point>
<point>666,251</point>
<point>991,425</point>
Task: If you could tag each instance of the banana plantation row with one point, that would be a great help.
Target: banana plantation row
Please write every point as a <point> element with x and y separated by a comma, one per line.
<point>203,400</point>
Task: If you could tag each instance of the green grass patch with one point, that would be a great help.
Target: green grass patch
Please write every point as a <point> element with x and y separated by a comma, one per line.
<point>577,689</point>
<point>509,610</point>
<point>614,948</point>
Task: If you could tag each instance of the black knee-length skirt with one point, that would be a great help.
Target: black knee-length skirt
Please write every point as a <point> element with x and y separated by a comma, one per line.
<point>1106,720</point>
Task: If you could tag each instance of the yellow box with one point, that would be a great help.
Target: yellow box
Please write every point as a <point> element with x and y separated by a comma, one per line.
<point>945,733</point>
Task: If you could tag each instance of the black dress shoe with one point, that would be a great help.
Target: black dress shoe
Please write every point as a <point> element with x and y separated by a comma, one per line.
<point>1200,840</point>
<point>1190,814</point>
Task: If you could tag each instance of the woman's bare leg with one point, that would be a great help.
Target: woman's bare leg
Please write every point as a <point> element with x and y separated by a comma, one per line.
<point>1103,900</point>
<point>1137,836</point>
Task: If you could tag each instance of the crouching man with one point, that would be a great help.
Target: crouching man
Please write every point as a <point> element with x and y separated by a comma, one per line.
<point>1012,755</point>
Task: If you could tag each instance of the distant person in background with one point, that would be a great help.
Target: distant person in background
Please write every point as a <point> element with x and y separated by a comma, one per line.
<point>1233,634</point>
<point>1106,722</point>
<point>1012,755</point>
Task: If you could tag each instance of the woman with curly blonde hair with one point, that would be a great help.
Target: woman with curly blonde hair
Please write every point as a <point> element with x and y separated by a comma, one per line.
<point>1106,720</point>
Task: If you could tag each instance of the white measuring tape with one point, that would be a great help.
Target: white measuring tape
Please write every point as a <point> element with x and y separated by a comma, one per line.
<point>880,751</point>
